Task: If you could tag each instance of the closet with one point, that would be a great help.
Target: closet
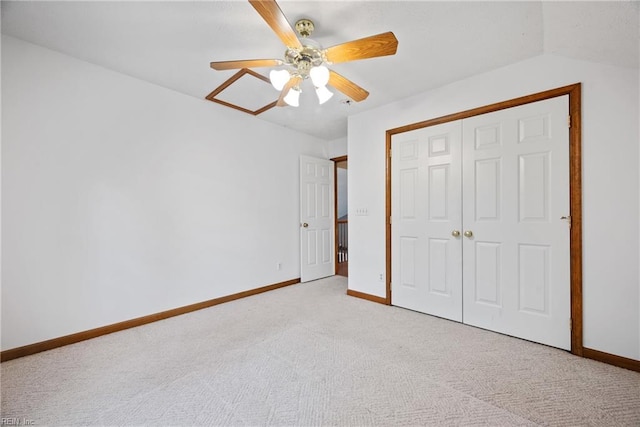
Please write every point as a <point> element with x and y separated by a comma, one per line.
<point>480,221</point>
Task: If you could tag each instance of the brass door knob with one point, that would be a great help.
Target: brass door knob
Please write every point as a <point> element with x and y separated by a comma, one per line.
<point>455,233</point>
<point>305,225</point>
<point>468,233</point>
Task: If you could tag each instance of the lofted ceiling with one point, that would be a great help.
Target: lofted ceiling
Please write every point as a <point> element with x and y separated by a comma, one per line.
<point>171,43</point>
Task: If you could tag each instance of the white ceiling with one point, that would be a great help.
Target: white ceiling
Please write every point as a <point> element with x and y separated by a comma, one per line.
<point>171,43</point>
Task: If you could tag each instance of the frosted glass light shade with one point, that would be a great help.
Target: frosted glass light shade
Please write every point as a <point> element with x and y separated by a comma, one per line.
<point>293,97</point>
<point>279,78</point>
<point>324,94</point>
<point>319,76</point>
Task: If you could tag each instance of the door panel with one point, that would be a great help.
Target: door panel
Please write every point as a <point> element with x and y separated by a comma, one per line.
<point>487,270</point>
<point>437,267</point>
<point>533,278</point>
<point>317,212</point>
<point>516,264</point>
<point>487,184</point>
<point>407,259</point>
<point>533,194</point>
<point>426,270</point>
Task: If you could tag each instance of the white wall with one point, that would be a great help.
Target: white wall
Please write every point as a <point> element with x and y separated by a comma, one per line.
<point>337,147</point>
<point>122,199</point>
<point>610,138</point>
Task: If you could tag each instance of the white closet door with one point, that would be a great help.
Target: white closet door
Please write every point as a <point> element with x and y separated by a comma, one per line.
<point>516,190</point>
<point>426,208</point>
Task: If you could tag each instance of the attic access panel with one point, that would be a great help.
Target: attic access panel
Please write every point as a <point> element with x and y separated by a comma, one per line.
<point>245,91</point>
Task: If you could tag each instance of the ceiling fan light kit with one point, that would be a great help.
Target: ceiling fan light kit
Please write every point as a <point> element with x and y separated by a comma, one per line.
<point>319,75</point>
<point>305,58</point>
<point>323,94</point>
<point>293,97</point>
<point>279,78</point>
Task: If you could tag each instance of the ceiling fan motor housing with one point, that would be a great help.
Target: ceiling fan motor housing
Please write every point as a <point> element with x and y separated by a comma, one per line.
<point>311,55</point>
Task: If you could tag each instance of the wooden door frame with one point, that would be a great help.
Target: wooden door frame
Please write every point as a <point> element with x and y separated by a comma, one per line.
<point>575,189</point>
<point>335,161</point>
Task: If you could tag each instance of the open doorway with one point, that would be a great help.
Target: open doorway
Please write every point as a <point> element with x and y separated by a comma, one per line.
<point>341,216</point>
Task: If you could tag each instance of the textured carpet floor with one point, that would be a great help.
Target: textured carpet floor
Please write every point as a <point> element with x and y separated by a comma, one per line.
<point>310,355</point>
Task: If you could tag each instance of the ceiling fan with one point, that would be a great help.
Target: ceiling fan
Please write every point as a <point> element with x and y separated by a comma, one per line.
<point>304,58</point>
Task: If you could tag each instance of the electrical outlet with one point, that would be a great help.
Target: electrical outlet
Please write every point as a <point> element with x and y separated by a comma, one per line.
<point>278,266</point>
<point>381,277</point>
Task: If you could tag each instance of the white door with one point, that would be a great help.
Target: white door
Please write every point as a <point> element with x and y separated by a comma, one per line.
<point>426,209</point>
<point>502,179</point>
<point>516,191</point>
<point>316,218</point>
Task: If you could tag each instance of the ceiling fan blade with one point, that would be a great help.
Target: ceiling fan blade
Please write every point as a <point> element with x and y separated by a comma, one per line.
<point>347,87</point>
<point>369,47</point>
<point>250,63</point>
<point>293,81</point>
<point>271,13</point>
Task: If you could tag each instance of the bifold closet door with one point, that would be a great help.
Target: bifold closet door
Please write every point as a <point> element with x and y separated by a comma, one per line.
<point>516,277</point>
<point>426,209</point>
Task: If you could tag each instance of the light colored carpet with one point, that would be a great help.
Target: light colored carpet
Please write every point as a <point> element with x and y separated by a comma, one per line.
<point>310,355</point>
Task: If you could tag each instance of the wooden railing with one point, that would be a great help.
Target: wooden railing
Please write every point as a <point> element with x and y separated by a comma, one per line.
<point>343,240</point>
